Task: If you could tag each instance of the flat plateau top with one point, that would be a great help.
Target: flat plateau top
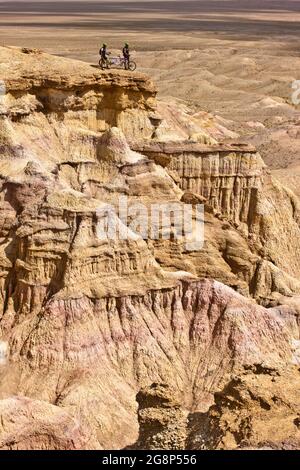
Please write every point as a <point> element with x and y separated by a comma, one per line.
<point>176,148</point>
<point>23,69</point>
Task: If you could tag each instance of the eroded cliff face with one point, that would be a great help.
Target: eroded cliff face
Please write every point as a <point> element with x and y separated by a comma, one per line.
<point>59,106</point>
<point>86,320</point>
<point>258,409</point>
<point>58,114</point>
<point>252,230</point>
<point>32,424</point>
<point>86,353</point>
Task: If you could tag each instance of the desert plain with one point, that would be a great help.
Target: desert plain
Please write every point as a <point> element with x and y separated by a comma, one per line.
<point>147,342</point>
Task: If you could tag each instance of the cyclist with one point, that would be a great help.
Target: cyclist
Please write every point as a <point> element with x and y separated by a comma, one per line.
<point>126,55</point>
<point>104,55</point>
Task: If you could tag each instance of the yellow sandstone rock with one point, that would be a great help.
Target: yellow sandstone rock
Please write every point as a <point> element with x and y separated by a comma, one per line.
<point>90,320</point>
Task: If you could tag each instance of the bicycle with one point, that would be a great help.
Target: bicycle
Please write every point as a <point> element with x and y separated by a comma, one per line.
<point>117,62</point>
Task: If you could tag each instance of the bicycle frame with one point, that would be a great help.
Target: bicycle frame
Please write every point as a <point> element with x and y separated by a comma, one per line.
<point>117,61</point>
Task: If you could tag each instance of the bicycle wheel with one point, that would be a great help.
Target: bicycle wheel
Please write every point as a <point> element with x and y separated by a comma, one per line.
<point>132,66</point>
<point>104,64</point>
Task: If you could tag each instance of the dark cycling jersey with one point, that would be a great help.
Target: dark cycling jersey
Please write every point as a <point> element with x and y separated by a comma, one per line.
<point>103,53</point>
<point>126,52</point>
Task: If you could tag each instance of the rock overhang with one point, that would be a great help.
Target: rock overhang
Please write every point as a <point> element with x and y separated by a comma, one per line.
<point>25,71</point>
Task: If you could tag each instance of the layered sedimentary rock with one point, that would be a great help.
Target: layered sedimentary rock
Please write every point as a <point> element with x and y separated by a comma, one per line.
<point>31,424</point>
<point>227,176</point>
<point>253,244</point>
<point>91,355</point>
<point>54,114</point>
<point>257,410</point>
<point>88,316</point>
<point>76,99</point>
<point>162,419</point>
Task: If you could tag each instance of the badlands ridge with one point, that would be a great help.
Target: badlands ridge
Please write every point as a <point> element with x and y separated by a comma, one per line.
<point>131,342</point>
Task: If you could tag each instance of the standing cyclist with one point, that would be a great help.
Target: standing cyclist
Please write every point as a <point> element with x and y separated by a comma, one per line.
<point>104,55</point>
<point>126,55</point>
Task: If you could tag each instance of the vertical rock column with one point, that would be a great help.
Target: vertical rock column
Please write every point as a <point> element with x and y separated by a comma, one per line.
<point>162,419</point>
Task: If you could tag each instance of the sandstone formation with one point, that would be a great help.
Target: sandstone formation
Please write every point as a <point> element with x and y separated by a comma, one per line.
<point>88,320</point>
<point>162,420</point>
<point>31,424</point>
<point>257,410</point>
<point>253,216</point>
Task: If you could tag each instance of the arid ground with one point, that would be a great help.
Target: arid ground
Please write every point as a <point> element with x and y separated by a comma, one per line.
<point>117,329</point>
<point>234,58</point>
